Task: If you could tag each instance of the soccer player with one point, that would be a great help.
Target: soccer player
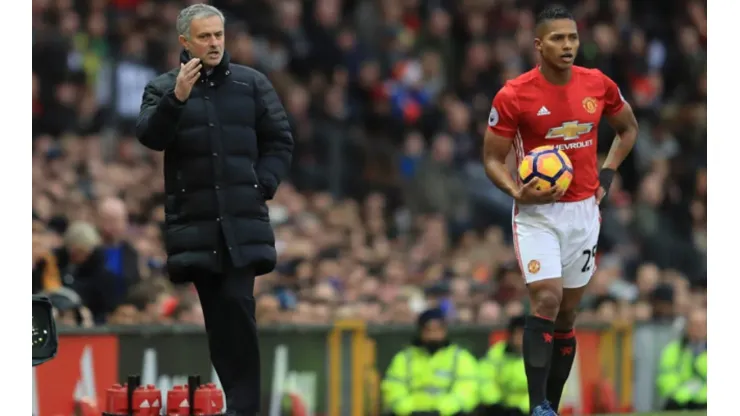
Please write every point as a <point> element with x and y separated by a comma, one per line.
<point>556,230</point>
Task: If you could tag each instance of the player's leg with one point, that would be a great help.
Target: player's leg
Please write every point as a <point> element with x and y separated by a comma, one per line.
<point>539,255</point>
<point>564,345</point>
<point>581,240</point>
<point>539,337</point>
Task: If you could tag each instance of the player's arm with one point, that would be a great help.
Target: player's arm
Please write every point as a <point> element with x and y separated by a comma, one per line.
<point>503,124</point>
<point>620,116</point>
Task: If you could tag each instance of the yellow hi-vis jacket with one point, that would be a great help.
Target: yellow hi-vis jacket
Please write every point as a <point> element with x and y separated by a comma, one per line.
<point>683,375</point>
<point>503,380</point>
<point>417,381</point>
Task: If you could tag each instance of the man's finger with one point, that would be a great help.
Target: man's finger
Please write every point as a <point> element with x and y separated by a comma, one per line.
<point>193,79</point>
<point>189,71</point>
<point>192,76</point>
<point>556,193</point>
<point>192,63</point>
<point>599,195</point>
<point>532,183</point>
<point>195,72</point>
<point>185,69</point>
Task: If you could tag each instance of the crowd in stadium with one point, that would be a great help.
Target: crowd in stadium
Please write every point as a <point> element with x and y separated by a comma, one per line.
<point>388,210</point>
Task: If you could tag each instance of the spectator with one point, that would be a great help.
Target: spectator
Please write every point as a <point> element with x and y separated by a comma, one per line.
<point>121,259</point>
<point>682,381</point>
<point>45,269</point>
<point>131,76</point>
<point>188,312</point>
<point>431,351</point>
<point>125,314</point>
<point>268,310</point>
<point>69,309</point>
<point>663,306</point>
<point>82,265</point>
<point>503,381</point>
<point>437,188</point>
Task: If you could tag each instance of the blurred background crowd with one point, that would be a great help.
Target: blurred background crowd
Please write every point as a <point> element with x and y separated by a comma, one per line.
<point>388,210</point>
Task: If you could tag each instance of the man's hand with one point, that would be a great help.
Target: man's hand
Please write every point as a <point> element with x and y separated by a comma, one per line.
<point>189,73</point>
<point>600,193</point>
<point>529,195</point>
<point>605,182</point>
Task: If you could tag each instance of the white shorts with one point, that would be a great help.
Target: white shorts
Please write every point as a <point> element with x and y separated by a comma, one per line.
<point>557,240</point>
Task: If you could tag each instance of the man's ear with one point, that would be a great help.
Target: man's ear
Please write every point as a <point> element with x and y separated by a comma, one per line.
<point>183,41</point>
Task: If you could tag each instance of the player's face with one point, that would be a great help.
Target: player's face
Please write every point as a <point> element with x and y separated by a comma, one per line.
<point>558,43</point>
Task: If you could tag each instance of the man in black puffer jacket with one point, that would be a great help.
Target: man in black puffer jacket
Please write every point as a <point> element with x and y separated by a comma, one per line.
<point>227,145</point>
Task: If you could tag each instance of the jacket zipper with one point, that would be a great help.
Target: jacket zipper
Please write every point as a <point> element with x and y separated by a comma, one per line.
<point>254,172</point>
<point>257,184</point>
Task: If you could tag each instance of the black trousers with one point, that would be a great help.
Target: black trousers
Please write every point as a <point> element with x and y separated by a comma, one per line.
<point>228,305</point>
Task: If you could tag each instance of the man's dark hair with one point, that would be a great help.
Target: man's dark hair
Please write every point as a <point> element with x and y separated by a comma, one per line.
<point>554,12</point>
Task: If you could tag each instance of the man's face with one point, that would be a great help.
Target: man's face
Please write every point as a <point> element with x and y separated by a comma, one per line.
<point>113,225</point>
<point>78,254</point>
<point>125,315</point>
<point>697,326</point>
<point>434,331</point>
<point>557,41</point>
<point>663,309</point>
<point>443,149</point>
<point>206,40</point>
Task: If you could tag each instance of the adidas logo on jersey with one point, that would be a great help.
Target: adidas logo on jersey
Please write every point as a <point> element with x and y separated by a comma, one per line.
<point>543,111</point>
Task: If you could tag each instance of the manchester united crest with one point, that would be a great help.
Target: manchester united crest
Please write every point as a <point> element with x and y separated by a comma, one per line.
<point>590,105</point>
<point>533,266</point>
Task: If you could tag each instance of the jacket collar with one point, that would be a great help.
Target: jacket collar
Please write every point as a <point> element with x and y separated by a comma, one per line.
<point>219,71</point>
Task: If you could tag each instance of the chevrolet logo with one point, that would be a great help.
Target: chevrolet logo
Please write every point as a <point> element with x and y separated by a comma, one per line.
<point>569,130</point>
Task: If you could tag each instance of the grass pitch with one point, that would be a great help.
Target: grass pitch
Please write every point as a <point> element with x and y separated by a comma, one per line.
<point>692,413</point>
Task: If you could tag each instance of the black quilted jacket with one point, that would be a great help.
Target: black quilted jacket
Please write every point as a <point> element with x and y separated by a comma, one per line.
<point>226,150</point>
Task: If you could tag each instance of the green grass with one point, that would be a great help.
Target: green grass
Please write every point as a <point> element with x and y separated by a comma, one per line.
<point>694,413</point>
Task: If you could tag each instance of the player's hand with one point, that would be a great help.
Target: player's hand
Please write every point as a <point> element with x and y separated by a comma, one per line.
<point>529,195</point>
<point>189,73</point>
<point>600,195</point>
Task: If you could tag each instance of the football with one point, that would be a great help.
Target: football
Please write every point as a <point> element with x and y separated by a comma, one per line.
<point>549,165</point>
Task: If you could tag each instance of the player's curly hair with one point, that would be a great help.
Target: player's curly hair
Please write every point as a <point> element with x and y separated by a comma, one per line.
<point>554,12</point>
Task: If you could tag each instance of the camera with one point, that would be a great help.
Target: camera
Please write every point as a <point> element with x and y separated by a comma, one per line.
<point>45,341</point>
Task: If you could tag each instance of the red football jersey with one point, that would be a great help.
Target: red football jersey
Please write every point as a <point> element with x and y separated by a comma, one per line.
<point>533,112</point>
